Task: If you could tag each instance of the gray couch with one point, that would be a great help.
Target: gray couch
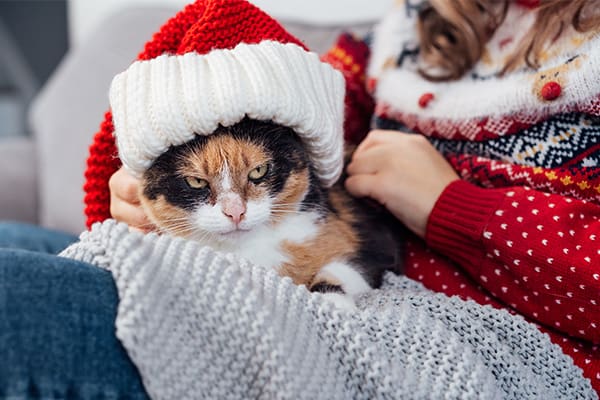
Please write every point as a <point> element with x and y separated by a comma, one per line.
<point>42,176</point>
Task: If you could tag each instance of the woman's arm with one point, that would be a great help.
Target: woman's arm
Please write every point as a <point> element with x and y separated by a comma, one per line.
<point>404,172</point>
<point>534,251</point>
<point>537,252</point>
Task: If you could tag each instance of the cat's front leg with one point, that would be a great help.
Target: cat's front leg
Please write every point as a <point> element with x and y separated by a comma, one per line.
<point>339,282</point>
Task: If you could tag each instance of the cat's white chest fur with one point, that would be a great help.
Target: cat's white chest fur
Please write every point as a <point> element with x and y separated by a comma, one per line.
<point>263,245</point>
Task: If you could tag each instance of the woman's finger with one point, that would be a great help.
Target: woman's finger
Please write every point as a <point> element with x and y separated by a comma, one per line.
<point>377,137</point>
<point>131,214</point>
<point>362,186</point>
<point>368,161</point>
<point>124,186</point>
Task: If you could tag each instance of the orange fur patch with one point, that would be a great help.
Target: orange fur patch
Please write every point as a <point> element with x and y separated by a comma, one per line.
<point>291,195</point>
<point>336,239</point>
<point>240,157</point>
<point>167,217</point>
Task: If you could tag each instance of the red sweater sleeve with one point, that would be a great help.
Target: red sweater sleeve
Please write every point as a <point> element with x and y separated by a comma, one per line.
<point>350,55</point>
<point>537,252</point>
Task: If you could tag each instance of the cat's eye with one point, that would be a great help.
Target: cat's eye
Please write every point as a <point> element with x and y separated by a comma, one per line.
<point>258,172</point>
<point>196,183</point>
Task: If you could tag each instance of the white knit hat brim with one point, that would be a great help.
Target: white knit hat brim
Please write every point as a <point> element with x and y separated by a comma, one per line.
<point>169,99</point>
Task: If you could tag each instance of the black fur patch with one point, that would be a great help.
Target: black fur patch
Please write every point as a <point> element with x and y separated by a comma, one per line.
<point>381,238</point>
<point>323,287</point>
<point>317,197</point>
<point>281,143</point>
<point>162,179</point>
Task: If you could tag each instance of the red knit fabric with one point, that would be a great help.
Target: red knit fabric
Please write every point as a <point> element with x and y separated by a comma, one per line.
<point>350,56</point>
<point>201,27</point>
<point>539,257</point>
<point>101,164</point>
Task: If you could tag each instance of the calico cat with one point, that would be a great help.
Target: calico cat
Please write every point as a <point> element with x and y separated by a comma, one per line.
<point>249,189</point>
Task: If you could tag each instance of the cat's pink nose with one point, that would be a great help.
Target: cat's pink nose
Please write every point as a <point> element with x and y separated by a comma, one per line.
<point>234,209</point>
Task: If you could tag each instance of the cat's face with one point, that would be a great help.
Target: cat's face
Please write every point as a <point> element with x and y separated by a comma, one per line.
<point>225,185</point>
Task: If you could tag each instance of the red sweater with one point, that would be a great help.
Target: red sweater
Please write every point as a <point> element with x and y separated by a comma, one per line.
<point>521,230</point>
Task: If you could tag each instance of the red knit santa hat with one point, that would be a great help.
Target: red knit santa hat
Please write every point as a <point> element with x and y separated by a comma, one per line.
<point>231,61</point>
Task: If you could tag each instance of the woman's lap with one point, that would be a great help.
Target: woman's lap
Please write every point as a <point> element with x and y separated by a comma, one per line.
<point>57,334</point>
<point>17,235</point>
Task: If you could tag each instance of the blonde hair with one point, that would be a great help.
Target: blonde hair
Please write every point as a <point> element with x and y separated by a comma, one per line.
<point>453,34</point>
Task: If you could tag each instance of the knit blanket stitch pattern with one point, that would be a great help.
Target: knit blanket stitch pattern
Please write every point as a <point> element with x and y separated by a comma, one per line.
<point>201,324</point>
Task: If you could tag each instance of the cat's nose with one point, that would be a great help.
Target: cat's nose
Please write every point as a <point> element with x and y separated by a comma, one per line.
<point>235,216</point>
<point>234,209</point>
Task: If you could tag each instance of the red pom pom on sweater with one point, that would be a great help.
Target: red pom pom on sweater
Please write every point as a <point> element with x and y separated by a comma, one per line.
<point>551,91</point>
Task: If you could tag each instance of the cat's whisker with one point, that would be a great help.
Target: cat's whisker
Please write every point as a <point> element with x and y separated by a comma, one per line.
<point>177,219</point>
<point>295,205</point>
<point>179,227</point>
<point>182,231</point>
<point>203,236</point>
<point>283,212</point>
<point>149,225</point>
<point>182,218</point>
<point>176,225</point>
<point>295,209</point>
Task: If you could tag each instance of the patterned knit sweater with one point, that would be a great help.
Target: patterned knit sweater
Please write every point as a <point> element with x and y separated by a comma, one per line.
<point>521,230</point>
<point>203,325</point>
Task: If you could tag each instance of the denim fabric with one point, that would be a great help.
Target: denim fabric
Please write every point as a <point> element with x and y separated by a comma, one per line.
<point>16,235</point>
<point>57,331</point>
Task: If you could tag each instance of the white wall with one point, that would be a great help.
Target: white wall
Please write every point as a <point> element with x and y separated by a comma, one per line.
<point>84,15</point>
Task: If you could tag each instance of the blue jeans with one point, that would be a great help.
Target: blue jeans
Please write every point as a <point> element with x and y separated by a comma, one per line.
<point>57,334</point>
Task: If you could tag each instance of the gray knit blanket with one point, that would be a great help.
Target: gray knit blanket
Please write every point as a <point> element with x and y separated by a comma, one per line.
<point>203,325</point>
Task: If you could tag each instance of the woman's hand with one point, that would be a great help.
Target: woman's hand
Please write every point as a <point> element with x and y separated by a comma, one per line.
<point>125,203</point>
<point>404,172</point>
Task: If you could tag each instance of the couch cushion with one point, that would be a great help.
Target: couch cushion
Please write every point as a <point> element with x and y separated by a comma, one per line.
<point>18,198</point>
<point>68,111</point>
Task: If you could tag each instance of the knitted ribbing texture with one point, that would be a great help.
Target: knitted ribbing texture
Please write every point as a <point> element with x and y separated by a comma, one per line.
<point>200,324</point>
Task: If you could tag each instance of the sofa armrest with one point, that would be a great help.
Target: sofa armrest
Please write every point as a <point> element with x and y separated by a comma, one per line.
<point>18,197</point>
<point>69,108</point>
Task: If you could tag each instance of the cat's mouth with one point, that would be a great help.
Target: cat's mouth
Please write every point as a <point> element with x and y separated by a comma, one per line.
<point>234,233</point>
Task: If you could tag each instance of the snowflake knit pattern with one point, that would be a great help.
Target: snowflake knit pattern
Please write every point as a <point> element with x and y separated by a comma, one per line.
<point>199,324</point>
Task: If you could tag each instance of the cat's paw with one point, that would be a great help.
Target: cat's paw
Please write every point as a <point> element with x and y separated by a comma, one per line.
<point>341,301</point>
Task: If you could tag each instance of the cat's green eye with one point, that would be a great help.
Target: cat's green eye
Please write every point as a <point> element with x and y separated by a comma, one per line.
<point>258,172</point>
<point>196,183</point>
